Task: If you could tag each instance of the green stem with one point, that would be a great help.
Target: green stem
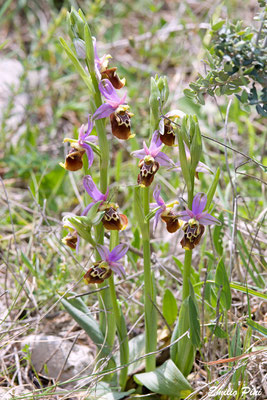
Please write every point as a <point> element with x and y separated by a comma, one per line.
<point>187,273</point>
<point>150,298</point>
<point>188,253</point>
<point>119,319</point>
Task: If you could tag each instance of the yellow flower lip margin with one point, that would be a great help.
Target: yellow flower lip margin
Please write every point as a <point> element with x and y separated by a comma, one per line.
<point>148,158</point>
<point>172,204</point>
<point>175,114</point>
<point>123,108</point>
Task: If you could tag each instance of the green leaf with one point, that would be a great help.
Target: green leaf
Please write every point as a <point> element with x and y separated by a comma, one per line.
<point>184,163</point>
<point>169,307</point>
<point>94,215</point>
<point>221,280</point>
<point>167,380</point>
<point>4,7</point>
<point>218,25</point>
<point>77,65</point>
<point>235,345</point>
<point>102,391</point>
<point>77,22</point>
<point>240,288</point>
<point>179,264</point>
<point>137,347</point>
<point>257,327</point>
<point>154,102</point>
<point>194,323</point>
<point>28,263</point>
<point>244,96</point>
<point>90,54</point>
<point>2,45</point>
<point>261,111</point>
<point>236,350</point>
<point>183,352</point>
<point>81,314</point>
<point>195,148</point>
<point>189,93</point>
<point>218,331</point>
<point>200,98</point>
<point>212,189</point>
<point>218,236</point>
<point>245,289</point>
<point>84,224</point>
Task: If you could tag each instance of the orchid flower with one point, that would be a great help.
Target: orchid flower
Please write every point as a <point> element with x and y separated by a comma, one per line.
<point>111,220</point>
<point>109,262</point>
<point>195,221</point>
<point>168,216</point>
<point>151,158</point>
<point>73,161</point>
<point>115,108</point>
<point>103,72</point>
<point>72,238</point>
<point>166,131</point>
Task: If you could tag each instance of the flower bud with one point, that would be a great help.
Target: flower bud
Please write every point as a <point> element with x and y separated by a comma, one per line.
<point>69,26</point>
<point>79,45</point>
<point>77,22</point>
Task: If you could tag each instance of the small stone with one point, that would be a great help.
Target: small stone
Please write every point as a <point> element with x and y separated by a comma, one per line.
<point>49,353</point>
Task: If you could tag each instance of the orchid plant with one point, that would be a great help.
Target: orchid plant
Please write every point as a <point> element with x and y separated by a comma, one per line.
<point>102,83</point>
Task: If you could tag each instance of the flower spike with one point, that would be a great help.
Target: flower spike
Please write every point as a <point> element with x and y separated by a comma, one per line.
<point>195,221</point>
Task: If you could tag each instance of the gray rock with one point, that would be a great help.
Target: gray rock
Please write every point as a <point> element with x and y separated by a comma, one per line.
<point>49,353</point>
<point>11,73</point>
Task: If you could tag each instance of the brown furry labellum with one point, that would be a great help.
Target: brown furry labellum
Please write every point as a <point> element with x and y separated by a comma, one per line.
<point>73,161</point>
<point>168,137</point>
<point>193,232</point>
<point>121,123</point>
<point>148,168</point>
<point>71,240</point>
<point>112,76</point>
<point>112,220</point>
<point>172,221</point>
<point>98,272</point>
